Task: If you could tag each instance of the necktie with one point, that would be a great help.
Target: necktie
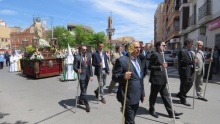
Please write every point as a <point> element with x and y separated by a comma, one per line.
<point>137,67</point>
<point>85,59</point>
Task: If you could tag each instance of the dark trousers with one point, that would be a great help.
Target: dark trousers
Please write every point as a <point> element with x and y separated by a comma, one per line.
<point>206,72</point>
<point>130,113</point>
<point>186,83</point>
<point>164,95</point>
<point>7,62</point>
<point>1,65</point>
<point>83,88</point>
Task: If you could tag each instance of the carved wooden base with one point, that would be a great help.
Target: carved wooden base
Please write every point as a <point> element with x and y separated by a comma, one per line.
<point>42,68</point>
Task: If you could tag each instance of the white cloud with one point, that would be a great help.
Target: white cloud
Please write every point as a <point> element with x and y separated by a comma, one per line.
<point>130,17</point>
<point>7,12</point>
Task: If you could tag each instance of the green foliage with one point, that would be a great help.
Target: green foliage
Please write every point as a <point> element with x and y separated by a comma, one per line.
<point>30,49</point>
<point>63,35</point>
<point>81,36</point>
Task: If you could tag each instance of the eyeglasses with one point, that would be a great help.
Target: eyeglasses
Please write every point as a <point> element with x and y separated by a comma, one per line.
<point>163,45</point>
<point>199,45</point>
<point>84,49</point>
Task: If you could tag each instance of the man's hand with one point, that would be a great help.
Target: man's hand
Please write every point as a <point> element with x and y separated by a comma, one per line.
<point>100,64</point>
<point>79,71</point>
<point>195,61</point>
<point>164,65</point>
<point>210,60</point>
<point>142,99</point>
<point>108,72</point>
<point>127,75</point>
<point>91,79</point>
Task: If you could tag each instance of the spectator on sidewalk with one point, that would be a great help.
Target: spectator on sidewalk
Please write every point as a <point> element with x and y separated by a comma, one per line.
<point>216,60</point>
<point>7,58</point>
<point>2,59</point>
<point>207,62</point>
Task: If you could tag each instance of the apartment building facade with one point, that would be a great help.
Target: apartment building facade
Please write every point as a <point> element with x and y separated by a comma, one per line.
<point>158,22</point>
<point>191,19</point>
<point>5,41</point>
<point>170,23</point>
<point>204,22</point>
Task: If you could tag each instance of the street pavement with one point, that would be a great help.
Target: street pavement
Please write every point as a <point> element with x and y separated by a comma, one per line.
<point>24,100</point>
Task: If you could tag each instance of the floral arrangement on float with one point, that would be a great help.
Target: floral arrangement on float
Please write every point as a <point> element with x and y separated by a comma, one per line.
<point>43,43</point>
<point>37,56</point>
<point>59,54</point>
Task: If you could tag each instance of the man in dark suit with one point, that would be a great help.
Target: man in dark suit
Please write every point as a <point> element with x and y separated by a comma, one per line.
<point>125,52</point>
<point>7,58</point>
<point>85,72</point>
<point>100,62</point>
<point>143,54</point>
<point>135,82</point>
<point>186,69</point>
<point>158,81</point>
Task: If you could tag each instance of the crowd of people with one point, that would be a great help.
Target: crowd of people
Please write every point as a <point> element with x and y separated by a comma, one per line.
<point>11,59</point>
<point>139,60</point>
<point>129,68</point>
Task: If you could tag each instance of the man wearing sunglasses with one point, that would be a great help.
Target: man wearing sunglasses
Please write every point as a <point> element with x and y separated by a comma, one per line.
<point>85,72</point>
<point>158,81</point>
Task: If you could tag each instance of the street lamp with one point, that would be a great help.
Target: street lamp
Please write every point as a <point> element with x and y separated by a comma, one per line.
<point>110,32</point>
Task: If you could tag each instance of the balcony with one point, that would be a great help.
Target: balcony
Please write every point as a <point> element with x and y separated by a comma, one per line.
<point>191,22</point>
<point>173,33</point>
<point>172,16</point>
<point>205,10</point>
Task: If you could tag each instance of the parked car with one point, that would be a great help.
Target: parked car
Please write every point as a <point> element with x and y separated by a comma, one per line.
<point>169,57</point>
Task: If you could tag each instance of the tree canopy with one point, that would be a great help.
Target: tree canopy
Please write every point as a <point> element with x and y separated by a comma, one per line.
<point>78,36</point>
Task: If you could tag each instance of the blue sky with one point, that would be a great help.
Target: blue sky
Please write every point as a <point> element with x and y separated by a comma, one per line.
<point>130,17</point>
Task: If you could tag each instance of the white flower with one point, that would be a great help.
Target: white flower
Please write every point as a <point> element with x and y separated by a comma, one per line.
<point>60,55</point>
<point>36,56</point>
<point>43,43</point>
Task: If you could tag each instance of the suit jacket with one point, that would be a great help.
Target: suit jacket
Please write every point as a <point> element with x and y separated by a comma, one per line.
<point>186,66</point>
<point>200,64</point>
<point>143,57</point>
<point>114,57</point>
<point>135,83</point>
<point>157,74</point>
<point>86,70</point>
<point>96,60</point>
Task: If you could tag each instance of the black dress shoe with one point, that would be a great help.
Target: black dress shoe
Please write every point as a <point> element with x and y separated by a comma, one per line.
<point>96,94</point>
<point>178,114</point>
<point>87,108</point>
<point>171,116</point>
<point>201,98</point>
<point>154,114</point>
<point>185,103</point>
<point>103,101</point>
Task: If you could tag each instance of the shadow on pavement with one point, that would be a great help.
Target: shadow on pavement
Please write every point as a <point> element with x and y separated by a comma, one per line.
<point>2,115</point>
<point>152,120</point>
